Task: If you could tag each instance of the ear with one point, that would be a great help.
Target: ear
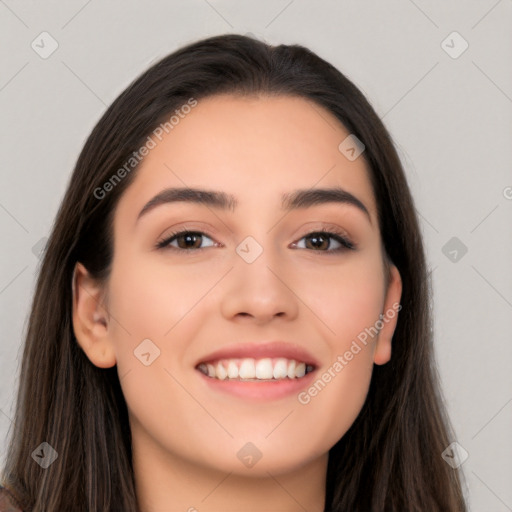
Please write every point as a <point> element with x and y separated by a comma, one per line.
<point>389,317</point>
<point>91,319</point>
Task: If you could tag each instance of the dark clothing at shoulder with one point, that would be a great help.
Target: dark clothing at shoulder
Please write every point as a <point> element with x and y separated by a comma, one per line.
<point>8,502</point>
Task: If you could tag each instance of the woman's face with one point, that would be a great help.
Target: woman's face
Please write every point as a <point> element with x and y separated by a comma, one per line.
<point>249,275</point>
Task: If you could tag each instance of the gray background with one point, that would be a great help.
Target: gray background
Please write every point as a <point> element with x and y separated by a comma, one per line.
<point>451,119</point>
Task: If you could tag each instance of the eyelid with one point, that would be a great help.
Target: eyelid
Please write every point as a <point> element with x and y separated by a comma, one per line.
<point>197,227</point>
<point>326,227</point>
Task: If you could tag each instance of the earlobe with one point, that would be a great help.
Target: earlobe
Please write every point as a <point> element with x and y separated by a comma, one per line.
<point>388,318</point>
<point>91,319</point>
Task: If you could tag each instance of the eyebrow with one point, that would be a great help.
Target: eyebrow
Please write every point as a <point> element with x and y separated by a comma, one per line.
<point>298,199</point>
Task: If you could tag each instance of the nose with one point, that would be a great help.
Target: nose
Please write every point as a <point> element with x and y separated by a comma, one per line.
<point>260,291</point>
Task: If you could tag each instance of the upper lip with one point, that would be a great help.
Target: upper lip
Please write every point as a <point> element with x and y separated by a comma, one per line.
<point>261,350</point>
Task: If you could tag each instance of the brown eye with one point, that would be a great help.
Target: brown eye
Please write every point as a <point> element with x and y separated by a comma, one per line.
<point>318,241</point>
<point>185,240</point>
<point>189,240</point>
<point>323,241</point>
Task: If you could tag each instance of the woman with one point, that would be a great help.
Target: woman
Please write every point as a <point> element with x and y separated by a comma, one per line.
<point>232,312</point>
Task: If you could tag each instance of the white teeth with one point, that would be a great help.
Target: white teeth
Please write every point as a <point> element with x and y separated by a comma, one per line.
<point>251,369</point>
<point>221,371</point>
<point>291,370</point>
<point>264,369</point>
<point>232,370</point>
<point>247,369</point>
<point>280,369</point>
<point>300,370</point>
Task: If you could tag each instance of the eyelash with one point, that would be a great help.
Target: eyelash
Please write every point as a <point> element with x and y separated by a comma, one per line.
<point>346,244</point>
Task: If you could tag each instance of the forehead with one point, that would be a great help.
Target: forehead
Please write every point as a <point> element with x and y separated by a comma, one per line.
<point>255,148</point>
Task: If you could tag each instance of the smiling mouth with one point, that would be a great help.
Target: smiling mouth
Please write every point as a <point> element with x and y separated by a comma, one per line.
<point>254,370</point>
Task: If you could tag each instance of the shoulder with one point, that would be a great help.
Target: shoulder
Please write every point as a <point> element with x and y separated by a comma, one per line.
<point>7,501</point>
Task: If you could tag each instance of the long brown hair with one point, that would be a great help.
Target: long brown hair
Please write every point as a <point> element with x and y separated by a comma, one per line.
<point>389,460</point>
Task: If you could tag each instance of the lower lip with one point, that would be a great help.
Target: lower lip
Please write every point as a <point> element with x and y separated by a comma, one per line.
<point>262,391</point>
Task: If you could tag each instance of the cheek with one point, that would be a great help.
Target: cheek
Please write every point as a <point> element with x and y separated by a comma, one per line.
<point>156,301</point>
<point>347,298</point>
<point>346,301</point>
<point>151,297</point>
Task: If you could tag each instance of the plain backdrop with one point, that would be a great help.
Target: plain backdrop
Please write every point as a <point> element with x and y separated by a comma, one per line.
<point>445,97</point>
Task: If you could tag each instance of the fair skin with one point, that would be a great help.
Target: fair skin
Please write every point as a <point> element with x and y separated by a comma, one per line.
<point>186,435</point>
